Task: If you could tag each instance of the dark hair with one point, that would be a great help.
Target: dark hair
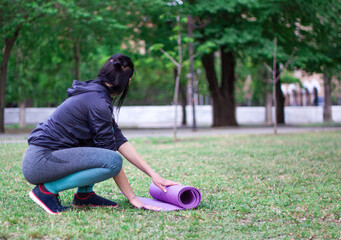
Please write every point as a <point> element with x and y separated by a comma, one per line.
<point>117,71</point>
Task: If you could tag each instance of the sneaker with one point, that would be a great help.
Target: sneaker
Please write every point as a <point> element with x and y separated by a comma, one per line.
<point>48,201</point>
<point>92,200</point>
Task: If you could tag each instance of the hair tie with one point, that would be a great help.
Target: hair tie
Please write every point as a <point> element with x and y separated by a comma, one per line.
<point>117,64</point>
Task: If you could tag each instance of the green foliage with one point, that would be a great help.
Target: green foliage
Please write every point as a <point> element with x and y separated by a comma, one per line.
<point>43,62</point>
<point>257,86</point>
<point>153,83</point>
<point>156,47</point>
<point>288,77</point>
<point>322,40</point>
<point>47,59</point>
<point>207,47</point>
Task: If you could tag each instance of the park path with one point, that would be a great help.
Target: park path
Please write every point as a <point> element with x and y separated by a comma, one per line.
<point>188,132</point>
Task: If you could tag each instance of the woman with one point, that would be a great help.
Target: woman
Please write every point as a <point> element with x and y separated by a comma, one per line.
<point>76,146</point>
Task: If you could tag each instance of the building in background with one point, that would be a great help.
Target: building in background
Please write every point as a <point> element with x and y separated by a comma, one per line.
<point>310,92</point>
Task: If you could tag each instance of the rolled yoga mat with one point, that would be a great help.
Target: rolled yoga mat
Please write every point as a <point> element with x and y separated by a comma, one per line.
<point>177,197</point>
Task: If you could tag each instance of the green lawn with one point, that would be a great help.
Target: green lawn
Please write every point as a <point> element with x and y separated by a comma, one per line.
<point>253,187</point>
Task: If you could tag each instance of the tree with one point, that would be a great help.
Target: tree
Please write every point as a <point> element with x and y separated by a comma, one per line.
<point>280,20</point>
<point>82,26</point>
<point>229,28</point>
<point>276,73</point>
<point>236,29</point>
<point>64,31</point>
<point>190,26</point>
<point>15,16</point>
<point>174,52</point>
<point>178,62</point>
<point>323,43</point>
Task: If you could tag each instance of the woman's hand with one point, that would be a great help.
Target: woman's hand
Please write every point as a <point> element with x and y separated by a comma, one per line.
<point>162,183</point>
<point>139,204</point>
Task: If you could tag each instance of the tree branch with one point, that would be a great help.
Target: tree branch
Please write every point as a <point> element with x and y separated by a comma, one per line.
<point>291,58</point>
<point>191,58</point>
<point>170,57</point>
<point>268,67</point>
<point>202,24</point>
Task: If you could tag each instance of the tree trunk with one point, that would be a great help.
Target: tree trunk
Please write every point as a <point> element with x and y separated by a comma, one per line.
<point>222,96</point>
<point>183,97</point>
<point>268,108</point>
<point>76,52</point>
<point>268,99</point>
<point>22,113</point>
<point>191,60</point>
<point>280,103</point>
<point>177,79</point>
<point>175,100</point>
<point>9,42</point>
<point>327,107</point>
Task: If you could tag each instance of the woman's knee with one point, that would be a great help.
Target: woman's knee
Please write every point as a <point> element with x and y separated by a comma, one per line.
<point>115,163</point>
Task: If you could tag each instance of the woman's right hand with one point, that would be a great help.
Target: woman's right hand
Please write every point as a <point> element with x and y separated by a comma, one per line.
<point>139,204</point>
<point>162,183</point>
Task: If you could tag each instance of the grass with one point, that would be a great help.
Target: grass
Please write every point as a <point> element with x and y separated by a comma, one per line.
<point>13,127</point>
<point>322,124</point>
<point>253,187</point>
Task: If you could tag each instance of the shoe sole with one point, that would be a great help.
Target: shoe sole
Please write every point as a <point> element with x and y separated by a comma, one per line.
<point>41,204</point>
<point>94,206</point>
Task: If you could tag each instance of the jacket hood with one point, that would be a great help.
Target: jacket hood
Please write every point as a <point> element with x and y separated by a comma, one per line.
<point>79,87</point>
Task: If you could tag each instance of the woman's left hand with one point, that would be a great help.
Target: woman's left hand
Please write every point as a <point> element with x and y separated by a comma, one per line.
<point>139,204</point>
<point>162,183</point>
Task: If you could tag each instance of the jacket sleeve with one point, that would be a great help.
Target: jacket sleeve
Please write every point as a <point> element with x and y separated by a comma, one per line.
<point>101,126</point>
<point>119,137</point>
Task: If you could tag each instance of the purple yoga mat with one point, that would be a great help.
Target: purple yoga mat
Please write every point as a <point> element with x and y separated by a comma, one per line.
<point>178,197</point>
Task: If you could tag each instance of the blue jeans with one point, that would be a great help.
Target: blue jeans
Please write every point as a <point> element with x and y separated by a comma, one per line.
<point>63,169</point>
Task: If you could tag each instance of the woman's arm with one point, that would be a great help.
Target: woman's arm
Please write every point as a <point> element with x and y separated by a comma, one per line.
<point>129,152</point>
<point>122,182</point>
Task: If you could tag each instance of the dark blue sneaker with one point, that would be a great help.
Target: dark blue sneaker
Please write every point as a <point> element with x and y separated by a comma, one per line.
<point>93,200</point>
<point>48,201</point>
